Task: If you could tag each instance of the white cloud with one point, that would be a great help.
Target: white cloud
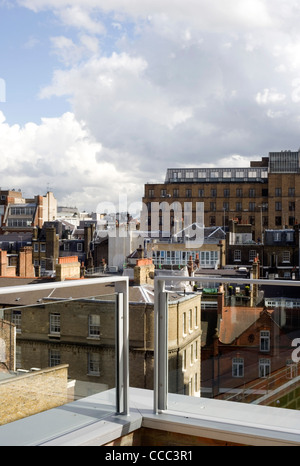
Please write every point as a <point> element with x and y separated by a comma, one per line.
<point>213,15</point>
<point>184,82</point>
<point>61,153</point>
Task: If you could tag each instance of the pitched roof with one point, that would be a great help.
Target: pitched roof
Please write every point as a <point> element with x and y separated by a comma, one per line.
<point>236,320</point>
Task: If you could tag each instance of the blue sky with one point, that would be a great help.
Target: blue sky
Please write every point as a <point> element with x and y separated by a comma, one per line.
<point>102,97</point>
<point>26,64</point>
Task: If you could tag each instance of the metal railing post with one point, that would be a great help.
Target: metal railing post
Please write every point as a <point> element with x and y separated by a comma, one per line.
<point>160,347</point>
<point>122,347</point>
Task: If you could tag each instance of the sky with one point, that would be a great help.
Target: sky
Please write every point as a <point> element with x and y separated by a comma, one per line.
<point>99,97</point>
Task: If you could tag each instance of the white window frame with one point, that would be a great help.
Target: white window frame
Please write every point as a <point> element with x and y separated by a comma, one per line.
<point>264,367</point>
<point>264,341</point>
<point>237,255</point>
<point>54,324</point>
<point>94,326</point>
<point>237,367</point>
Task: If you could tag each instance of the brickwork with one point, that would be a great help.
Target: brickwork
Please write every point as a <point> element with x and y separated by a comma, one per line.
<point>75,346</point>
<point>7,344</point>
<point>264,203</point>
<point>159,438</point>
<point>33,393</point>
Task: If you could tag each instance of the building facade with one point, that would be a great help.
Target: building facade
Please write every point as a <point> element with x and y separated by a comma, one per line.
<point>18,214</point>
<point>263,195</point>
<point>63,329</point>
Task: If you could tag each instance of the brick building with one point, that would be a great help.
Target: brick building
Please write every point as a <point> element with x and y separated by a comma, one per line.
<point>264,195</point>
<point>76,326</point>
<point>18,214</point>
<point>278,254</point>
<point>251,347</point>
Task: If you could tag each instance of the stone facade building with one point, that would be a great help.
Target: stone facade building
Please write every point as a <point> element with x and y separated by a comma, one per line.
<point>76,326</point>
<point>263,195</point>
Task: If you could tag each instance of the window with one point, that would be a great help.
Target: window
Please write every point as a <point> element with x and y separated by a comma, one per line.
<point>94,326</point>
<point>265,340</point>
<point>226,206</point>
<point>226,174</point>
<point>252,255</point>
<point>226,192</point>
<point>176,192</point>
<point>54,324</point>
<point>239,192</point>
<point>277,236</point>
<point>201,192</point>
<point>292,206</point>
<point>237,255</point>
<point>213,206</point>
<point>189,174</point>
<point>278,206</point>
<point>278,192</point>
<point>191,320</point>
<point>212,221</point>
<point>79,247</point>
<point>151,193</point>
<point>36,247</point>
<point>292,221</point>
<point>43,247</point>
<point>252,206</point>
<point>238,207</point>
<point>184,323</point>
<point>188,193</point>
<point>213,192</point>
<point>291,192</point>
<point>192,354</point>
<point>252,174</point>
<point>238,367</point>
<point>286,256</point>
<point>54,358</point>
<point>251,192</point>
<point>264,367</point>
<point>278,221</point>
<point>94,364</point>
<point>184,360</point>
<point>16,319</point>
<point>196,317</point>
<point>196,350</point>
<point>163,193</point>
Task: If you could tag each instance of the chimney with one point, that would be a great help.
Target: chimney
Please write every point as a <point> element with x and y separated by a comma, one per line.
<point>144,272</point>
<point>220,299</point>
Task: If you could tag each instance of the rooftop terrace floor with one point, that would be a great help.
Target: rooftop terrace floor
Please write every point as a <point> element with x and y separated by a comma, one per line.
<point>188,421</point>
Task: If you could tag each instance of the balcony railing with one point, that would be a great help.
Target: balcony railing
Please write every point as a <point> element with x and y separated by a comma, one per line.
<point>214,411</point>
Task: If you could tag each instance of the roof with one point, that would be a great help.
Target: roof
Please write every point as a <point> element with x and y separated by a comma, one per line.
<point>236,320</point>
<point>137,294</point>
